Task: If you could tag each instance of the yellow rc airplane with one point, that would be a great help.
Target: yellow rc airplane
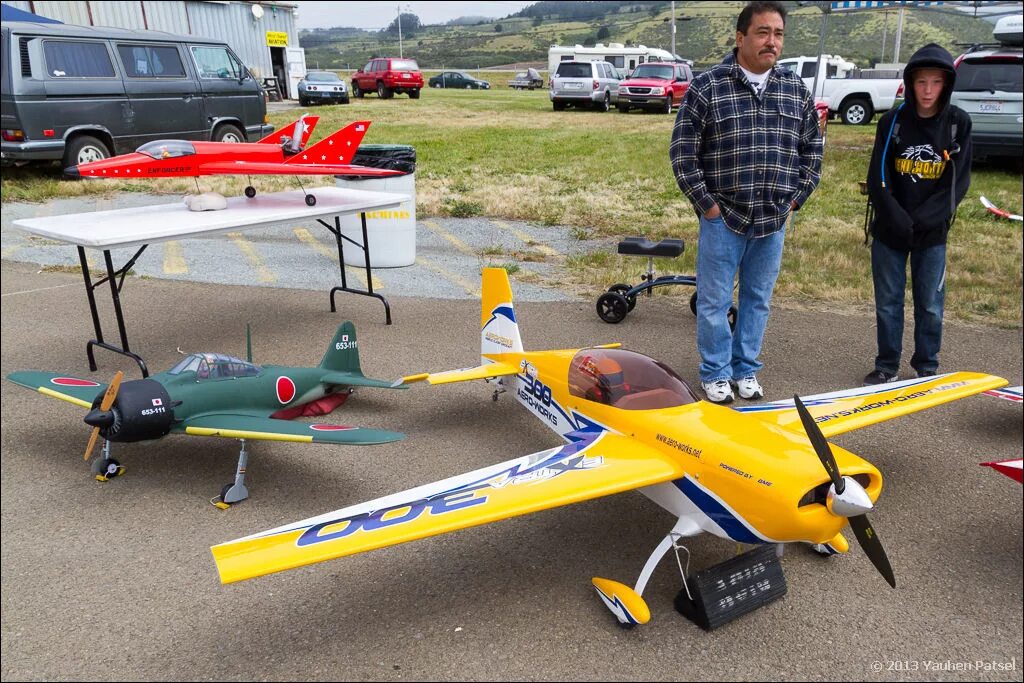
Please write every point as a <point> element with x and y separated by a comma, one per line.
<point>762,474</point>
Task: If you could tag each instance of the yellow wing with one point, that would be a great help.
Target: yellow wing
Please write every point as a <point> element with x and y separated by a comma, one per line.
<point>843,411</point>
<point>596,465</point>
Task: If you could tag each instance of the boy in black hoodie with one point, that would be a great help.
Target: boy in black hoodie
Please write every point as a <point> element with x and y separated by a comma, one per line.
<point>920,171</point>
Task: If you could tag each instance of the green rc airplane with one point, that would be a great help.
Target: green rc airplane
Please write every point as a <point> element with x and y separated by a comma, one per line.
<point>209,394</point>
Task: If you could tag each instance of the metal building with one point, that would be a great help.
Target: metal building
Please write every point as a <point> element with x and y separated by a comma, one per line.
<point>262,34</point>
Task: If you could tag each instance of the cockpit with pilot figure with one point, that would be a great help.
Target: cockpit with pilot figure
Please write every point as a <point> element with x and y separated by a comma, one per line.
<point>627,380</point>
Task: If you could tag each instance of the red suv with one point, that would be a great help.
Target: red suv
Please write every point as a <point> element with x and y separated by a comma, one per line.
<point>388,75</point>
<point>658,86</point>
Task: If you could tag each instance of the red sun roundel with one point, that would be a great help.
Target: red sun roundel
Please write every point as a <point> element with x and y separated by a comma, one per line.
<point>73,382</point>
<point>285,390</point>
<point>330,428</point>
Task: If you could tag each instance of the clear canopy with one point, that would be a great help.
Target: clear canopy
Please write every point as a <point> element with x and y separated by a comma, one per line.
<point>167,149</point>
<point>215,366</point>
<point>627,380</point>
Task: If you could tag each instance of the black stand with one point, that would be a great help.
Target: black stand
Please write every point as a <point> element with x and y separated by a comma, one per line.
<point>115,295</point>
<point>365,246</point>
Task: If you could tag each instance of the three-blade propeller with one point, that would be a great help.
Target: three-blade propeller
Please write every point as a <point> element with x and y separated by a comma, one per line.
<point>95,416</point>
<point>862,529</point>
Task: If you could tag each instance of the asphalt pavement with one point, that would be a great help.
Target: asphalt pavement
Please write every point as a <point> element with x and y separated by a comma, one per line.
<point>115,581</point>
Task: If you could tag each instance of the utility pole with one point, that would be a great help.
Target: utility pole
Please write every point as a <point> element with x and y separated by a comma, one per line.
<point>400,54</point>
<point>673,29</point>
<point>885,34</point>
<point>899,38</point>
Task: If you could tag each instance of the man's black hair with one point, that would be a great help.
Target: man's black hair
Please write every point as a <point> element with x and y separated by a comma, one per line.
<point>752,8</point>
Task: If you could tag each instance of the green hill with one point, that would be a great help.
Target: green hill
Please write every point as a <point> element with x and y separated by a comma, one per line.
<point>704,36</point>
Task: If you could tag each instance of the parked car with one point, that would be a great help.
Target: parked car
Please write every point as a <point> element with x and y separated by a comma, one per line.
<point>458,79</point>
<point>322,87</point>
<point>989,87</point>
<point>527,80</point>
<point>81,94</point>
<point>655,86</point>
<point>590,84</point>
<point>387,76</point>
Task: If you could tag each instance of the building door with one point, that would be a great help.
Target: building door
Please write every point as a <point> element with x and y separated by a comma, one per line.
<point>277,62</point>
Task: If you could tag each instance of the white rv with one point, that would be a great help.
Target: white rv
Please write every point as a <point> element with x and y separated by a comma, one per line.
<point>623,58</point>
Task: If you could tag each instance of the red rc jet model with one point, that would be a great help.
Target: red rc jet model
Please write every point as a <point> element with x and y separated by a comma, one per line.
<point>283,152</point>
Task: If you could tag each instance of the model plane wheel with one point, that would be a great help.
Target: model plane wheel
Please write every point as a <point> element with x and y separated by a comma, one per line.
<point>310,200</point>
<point>107,469</point>
<point>622,289</point>
<point>250,192</point>
<point>612,307</point>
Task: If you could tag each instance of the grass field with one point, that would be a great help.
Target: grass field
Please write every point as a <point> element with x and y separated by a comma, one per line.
<point>506,154</point>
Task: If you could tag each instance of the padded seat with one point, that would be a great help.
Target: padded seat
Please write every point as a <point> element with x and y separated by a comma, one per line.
<point>641,246</point>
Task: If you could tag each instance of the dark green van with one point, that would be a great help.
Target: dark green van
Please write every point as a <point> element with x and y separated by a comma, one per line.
<point>81,93</point>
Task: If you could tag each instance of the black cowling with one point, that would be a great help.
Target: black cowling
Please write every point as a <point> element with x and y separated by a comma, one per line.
<point>141,412</point>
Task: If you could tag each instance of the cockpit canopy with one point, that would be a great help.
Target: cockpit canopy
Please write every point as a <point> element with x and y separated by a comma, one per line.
<point>627,380</point>
<point>215,366</point>
<point>167,149</point>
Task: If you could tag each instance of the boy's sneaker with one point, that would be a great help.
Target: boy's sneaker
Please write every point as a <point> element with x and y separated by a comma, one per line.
<point>749,388</point>
<point>719,391</point>
<point>925,373</point>
<point>880,377</point>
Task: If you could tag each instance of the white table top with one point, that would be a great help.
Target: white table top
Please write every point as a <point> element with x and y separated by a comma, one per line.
<point>164,222</point>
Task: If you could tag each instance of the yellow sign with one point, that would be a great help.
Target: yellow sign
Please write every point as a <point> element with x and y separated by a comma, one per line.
<point>277,39</point>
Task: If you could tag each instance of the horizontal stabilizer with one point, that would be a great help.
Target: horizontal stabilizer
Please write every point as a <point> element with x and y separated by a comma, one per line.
<point>484,371</point>
<point>308,124</point>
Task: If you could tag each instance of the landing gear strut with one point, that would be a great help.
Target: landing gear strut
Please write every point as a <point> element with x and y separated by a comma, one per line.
<point>235,492</point>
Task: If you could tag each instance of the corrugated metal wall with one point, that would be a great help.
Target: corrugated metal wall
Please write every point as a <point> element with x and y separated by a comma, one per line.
<point>232,22</point>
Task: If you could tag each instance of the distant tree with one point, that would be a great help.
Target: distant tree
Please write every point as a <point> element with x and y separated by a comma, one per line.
<point>538,20</point>
<point>410,25</point>
<point>498,28</point>
<point>603,32</point>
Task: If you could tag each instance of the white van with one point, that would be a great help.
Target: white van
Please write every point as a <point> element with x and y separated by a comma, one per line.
<point>623,58</point>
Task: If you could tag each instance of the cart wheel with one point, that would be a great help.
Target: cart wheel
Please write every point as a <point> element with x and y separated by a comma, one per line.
<point>622,289</point>
<point>731,315</point>
<point>612,307</point>
<point>310,200</point>
<point>250,191</point>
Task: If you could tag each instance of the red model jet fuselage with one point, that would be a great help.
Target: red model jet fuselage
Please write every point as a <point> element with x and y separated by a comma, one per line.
<point>277,154</point>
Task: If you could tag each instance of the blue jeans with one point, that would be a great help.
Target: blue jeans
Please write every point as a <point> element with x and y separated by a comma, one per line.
<point>928,282</point>
<point>720,254</point>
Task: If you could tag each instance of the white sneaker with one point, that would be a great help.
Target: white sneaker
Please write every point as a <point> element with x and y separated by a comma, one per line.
<point>719,391</point>
<point>749,388</point>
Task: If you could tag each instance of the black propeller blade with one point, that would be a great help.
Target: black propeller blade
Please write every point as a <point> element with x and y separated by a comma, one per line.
<point>862,529</point>
<point>872,547</point>
<point>820,444</point>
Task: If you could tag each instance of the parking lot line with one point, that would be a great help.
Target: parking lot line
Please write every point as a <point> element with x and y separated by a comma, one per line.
<point>174,259</point>
<point>306,237</point>
<point>265,274</point>
<point>455,241</point>
<point>527,239</point>
<point>457,279</point>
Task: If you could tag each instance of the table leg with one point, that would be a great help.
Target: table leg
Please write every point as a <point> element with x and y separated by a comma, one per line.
<point>365,246</point>
<point>115,290</point>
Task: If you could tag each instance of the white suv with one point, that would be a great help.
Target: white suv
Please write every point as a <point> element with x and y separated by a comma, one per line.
<point>592,84</point>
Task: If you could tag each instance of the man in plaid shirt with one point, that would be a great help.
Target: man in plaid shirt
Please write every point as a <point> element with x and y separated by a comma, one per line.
<point>746,151</point>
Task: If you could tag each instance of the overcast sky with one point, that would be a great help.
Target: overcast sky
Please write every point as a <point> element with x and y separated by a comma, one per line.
<point>372,14</point>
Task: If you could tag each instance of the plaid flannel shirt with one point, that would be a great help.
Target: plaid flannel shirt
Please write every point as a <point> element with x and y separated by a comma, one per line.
<point>751,156</point>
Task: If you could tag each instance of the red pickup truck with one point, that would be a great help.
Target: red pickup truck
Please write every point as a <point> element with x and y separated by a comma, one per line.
<point>387,76</point>
<point>658,86</point>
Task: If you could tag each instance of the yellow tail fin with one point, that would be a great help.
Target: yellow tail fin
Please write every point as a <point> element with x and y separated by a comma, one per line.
<point>499,330</point>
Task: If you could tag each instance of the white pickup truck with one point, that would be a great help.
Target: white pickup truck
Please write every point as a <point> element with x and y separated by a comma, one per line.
<point>848,95</point>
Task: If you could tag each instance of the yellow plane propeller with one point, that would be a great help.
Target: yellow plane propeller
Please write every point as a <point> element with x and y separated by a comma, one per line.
<point>100,416</point>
